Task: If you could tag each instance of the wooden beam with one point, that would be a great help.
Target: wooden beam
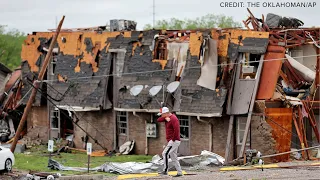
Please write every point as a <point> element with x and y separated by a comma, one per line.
<point>36,84</point>
<point>299,134</point>
<point>230,130</point>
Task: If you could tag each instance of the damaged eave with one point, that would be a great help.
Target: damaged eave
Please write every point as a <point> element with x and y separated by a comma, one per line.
<point>199,115</point>
<point>78,108</point>
<point>136,110</point>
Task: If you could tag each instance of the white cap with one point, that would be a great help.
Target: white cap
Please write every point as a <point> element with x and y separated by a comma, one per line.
<point>163,110</point>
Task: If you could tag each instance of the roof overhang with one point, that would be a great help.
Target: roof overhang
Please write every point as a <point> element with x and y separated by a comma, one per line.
<point>178,113</point>
<point>199,114</point>
<point>77,108</point>
<point>137,110</point>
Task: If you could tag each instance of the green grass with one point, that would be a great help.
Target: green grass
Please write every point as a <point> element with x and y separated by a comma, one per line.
<point>37,160</point>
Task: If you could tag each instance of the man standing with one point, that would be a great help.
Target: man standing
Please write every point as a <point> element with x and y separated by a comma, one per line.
<point>173,138</point>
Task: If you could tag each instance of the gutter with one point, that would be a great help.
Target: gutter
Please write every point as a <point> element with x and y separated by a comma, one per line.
<point>146,150</point>
<point>200,115</point>
<point>210,131</point>
<point>136,110</point>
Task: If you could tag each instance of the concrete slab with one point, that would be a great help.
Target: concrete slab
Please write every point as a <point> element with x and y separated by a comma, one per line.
<point>82,177</point>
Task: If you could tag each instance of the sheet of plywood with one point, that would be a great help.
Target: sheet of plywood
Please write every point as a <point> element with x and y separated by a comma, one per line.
<point>280,120</point>
<point>242,93</point>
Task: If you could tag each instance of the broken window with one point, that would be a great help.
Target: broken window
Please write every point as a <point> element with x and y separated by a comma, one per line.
<point>53,65</point>
<point>55,119</point>
<point>184,126</point>
<point>241,125</point>
<point>160,50</point>
<point>122,120</point>
<point>249,66</point>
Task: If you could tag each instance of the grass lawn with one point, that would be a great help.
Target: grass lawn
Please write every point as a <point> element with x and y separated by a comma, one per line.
<point>37,160</point>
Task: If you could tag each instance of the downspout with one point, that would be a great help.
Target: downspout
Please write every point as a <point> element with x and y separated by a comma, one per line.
<point>146,149</point>
<point>210,131</point>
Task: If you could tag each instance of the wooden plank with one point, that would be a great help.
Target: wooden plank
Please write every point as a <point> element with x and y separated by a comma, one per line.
<point>299,135</point>
<point>303,131</point>
<point>311,118</point>
<point>234,75</point>
<point>246,132</point>
<point>230,130</point>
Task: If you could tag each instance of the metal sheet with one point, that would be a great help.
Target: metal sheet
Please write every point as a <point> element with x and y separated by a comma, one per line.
<point>270,72</point>
<point>280,120</point>
<point>242,96</point>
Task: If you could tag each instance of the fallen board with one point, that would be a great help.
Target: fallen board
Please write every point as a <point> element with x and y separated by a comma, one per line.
<point>130,176</point>
<point>269,166</point>
<point>236,168</point>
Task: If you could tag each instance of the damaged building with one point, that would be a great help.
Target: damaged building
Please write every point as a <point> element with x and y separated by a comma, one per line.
<point>230,88</point>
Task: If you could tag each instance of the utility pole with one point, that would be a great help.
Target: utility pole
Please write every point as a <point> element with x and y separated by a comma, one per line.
<point>36,84</point>
<point>154,13</point>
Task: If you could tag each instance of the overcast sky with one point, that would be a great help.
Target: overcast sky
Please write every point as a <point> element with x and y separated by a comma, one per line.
<point>40,15</point>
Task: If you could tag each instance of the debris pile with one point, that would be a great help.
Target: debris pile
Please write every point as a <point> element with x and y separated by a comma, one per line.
<point>206,158</point>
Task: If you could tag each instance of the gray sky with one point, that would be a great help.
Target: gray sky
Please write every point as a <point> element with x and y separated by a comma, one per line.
<point>40,15</point>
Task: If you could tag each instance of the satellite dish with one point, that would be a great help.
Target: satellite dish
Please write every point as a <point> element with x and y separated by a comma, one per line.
<point>155,90</point>
<point>136,90</point>
<point>172,87</point>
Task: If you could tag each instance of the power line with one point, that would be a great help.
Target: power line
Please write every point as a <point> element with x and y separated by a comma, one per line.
<point>193,67</point>
<point>282,127</point>
<point>154,13</point>
<point>66,115</point>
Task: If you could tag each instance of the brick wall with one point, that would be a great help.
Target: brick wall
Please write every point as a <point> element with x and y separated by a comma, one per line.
<point>220,133</point>
<point>101,121</point>
<point>137,131</point>
<point>200,136</point>
<point>156,144</point>
<point>261,137</point>
<point>38,116</point>
<point>38,122</point>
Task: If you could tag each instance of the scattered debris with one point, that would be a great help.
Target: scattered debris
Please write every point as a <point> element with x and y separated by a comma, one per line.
<point>127,147</point>
<point>206,158</point>
<point>42,175</point>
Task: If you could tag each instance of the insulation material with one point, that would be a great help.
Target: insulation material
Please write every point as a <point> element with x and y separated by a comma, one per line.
<point>305,72</point>
<point>178,52</point>
<point>209,67</point>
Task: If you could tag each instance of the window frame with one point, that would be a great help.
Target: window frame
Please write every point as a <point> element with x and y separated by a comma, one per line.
<point>55,113</point>
<point>122,130</point>
<point>242,130</point>
<point>188,120</point>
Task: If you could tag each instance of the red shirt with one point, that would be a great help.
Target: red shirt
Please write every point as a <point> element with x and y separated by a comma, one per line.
<point>172,128</point>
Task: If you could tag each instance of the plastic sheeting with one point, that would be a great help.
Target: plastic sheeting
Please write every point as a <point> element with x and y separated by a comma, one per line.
<point>178,52</point>
<point>305,72</point>
<point>204,159</point>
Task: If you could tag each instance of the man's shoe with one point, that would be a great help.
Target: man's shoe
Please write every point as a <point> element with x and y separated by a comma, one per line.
<point>163,173</point>
<point>178,175</point>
